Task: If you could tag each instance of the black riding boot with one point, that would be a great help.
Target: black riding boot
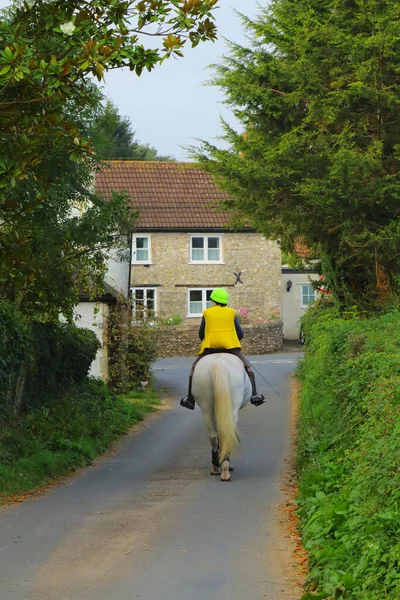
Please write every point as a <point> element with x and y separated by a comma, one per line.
<point>256,398</point>
<point>188,401</point>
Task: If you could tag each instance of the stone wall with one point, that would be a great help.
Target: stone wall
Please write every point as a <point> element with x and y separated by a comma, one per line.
<point>184,340</point>
<point>172,274</point>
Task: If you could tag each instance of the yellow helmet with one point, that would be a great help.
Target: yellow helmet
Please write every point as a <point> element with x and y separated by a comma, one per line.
<point>220,295</point>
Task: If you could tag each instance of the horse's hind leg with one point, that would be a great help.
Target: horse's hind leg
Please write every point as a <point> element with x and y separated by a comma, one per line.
<point>213,435</point>
<point>215,468</point>
<point>225,470</point>
<point>226,467</point>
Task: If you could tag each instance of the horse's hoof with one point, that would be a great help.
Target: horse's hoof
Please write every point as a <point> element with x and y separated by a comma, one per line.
<point>225,475</point>
<point>215,470</point>
<point>231,469</point>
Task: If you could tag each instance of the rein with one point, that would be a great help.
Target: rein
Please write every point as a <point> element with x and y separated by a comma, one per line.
<point>266,381</point>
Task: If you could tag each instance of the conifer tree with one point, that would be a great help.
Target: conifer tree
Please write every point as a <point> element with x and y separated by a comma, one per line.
<point>317,93</point>
<point>112,137</point>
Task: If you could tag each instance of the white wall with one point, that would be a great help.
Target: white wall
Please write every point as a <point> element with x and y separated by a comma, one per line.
<point>84,317</point>
<point>291,306</point>
<point>118,272</point>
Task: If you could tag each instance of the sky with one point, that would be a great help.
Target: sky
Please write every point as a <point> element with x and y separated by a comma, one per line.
<point>171,107</point>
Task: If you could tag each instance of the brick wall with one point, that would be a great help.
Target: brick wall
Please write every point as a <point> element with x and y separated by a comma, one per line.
<point>172,274</point>
<point>184,340</point>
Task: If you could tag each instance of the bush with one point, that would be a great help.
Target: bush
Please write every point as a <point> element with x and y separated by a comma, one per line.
<point>168,321</point>
<point>15,355</point>
<point>348,455</point>
<point>142,351</point>
<point>63,354</point>
<point>133,349</point>
<point>40,360</point>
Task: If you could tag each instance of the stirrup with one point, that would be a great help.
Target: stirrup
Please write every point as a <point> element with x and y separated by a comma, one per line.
<point>188,402</point>
<point>257,399</point>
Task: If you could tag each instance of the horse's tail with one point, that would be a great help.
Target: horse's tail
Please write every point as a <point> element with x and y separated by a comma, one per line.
<point>228,434</point>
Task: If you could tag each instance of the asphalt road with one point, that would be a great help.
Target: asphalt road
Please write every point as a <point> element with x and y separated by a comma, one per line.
<point>150,522</point>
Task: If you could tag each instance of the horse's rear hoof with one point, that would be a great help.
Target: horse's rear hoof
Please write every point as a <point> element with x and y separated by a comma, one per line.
<point>225,475</point>
<point>215,470</point>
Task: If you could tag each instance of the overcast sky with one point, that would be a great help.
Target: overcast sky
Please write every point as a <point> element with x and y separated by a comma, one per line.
<point>170,107</point>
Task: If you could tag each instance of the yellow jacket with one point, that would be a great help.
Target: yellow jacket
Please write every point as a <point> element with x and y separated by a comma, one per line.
<point>220,331</point>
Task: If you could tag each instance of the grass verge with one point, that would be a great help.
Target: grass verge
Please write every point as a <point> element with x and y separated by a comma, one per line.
<point>37,447</point>
<point>348,458</point>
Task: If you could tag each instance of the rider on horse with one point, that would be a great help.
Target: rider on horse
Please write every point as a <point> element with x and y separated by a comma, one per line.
<point>220,331</point>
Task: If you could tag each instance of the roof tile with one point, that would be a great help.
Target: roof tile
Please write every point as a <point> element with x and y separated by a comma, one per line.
<point>168,195</point>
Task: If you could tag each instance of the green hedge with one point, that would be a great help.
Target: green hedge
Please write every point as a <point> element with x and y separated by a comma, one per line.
<point>349,455</point>
<point>40,361</point>
<point>132,349</point>
<point>15,352</point>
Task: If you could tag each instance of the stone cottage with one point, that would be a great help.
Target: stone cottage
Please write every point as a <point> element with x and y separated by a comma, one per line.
<point>182,247</point>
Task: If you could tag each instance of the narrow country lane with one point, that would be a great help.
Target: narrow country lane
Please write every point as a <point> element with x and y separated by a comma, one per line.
<point>150,522</point>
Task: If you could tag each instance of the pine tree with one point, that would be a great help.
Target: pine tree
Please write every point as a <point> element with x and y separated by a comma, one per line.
<point>318,95</point>
<point>113,137</point>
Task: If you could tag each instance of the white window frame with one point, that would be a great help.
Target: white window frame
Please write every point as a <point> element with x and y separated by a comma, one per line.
<point>135,236</point>
<point>302,286</point>
<point>205,236</point>
<point>203,302</point>
<point>145,290</point>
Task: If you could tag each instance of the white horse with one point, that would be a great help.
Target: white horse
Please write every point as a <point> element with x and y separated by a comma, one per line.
<point>221,388</point>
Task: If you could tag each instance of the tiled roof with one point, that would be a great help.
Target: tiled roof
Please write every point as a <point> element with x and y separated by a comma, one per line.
<point>169,195</point>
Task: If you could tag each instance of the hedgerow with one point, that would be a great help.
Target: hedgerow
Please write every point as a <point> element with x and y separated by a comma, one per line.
<point>349,455</point>
<point>53,417</point>
<point>39,362</point>
<point>132,349</point>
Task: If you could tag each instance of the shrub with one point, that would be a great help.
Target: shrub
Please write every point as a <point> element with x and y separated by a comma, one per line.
<point>167,321</point>
<point>242,315</point>
<point>348,455</point>
<point>63,354</point>
<point>244,318</point>
<point>133,349</point>
<point>16,355</point>
<point>39,360</point>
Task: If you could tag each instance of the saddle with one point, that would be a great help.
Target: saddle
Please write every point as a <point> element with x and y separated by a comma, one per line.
<point>217,351</point>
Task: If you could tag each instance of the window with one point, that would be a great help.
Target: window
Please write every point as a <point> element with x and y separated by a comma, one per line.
<point>143,303</point>
<point>205,249</point>
<point>307,295</point>
<point>198,300</point>
<point>141,249</point>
